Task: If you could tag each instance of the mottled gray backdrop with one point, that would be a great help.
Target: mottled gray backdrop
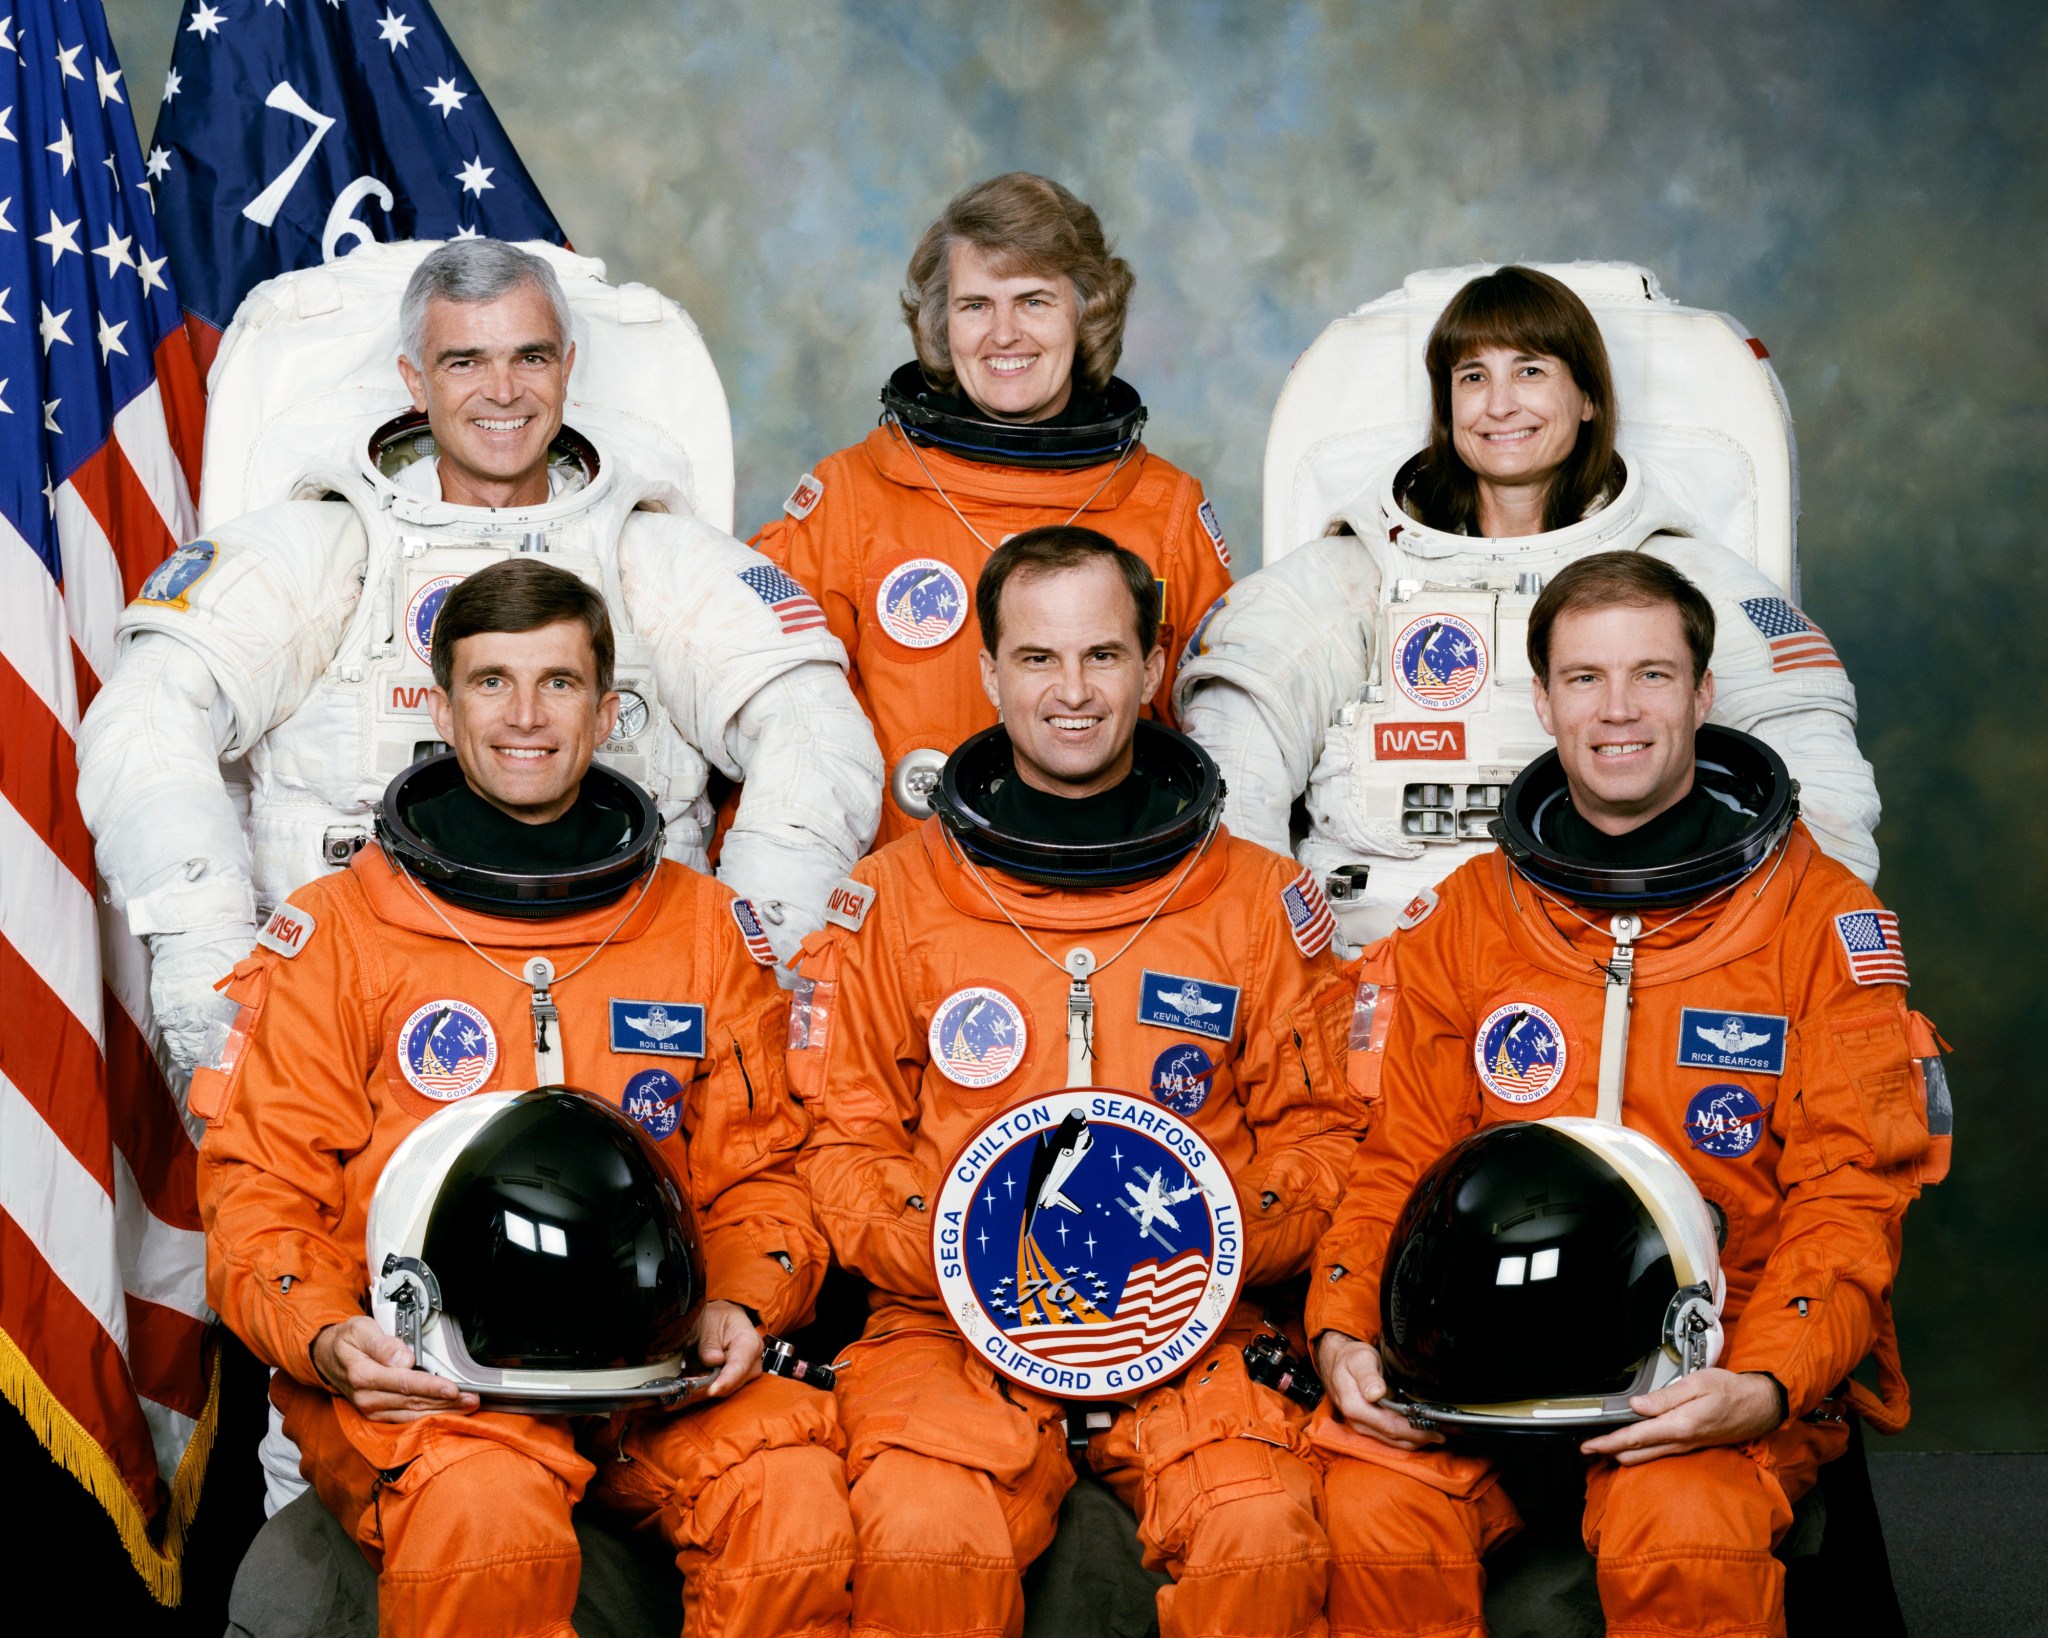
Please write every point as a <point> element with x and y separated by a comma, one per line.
<point>1861,185</point>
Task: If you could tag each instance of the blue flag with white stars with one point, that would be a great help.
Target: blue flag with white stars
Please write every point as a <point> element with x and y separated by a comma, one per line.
<point>294,130</point>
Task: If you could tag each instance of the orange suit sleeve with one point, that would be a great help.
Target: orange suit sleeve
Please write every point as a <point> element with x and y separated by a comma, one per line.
<point>862,1070</point>
<point>762,1248</point>
<point>824,550</point>
<point>1427,1100</point>
<point>1197,575</point>
<point>293,1111</point>
<point>1854,1133</point>
<point>1304,1115</point>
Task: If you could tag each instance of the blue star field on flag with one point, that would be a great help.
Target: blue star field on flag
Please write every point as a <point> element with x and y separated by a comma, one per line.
<point>85,297</point>
<point>293,130</point>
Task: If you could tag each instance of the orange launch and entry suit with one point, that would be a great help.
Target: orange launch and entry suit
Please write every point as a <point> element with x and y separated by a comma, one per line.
<point>340,1058</point>
<point>958,1474</point>
<point>1769,1050</point>
<point>867,514</point>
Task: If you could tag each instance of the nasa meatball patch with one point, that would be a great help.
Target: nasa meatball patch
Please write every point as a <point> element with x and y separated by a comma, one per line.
<point>1520,1052</point>
<point>446,1050</point>
<point>653,1100</point>
<point>1181,1077</point>
<point>171,579</point>
<point>1088,1244</point>
<point>1749,1043</point>
<point>662,1029</point>
<point>1439,662</point>
<point>423,611</point>
<point>1193,1006</point>
<point>922,603</point>
<point>977,1036</point>
<point>1724,1121</point>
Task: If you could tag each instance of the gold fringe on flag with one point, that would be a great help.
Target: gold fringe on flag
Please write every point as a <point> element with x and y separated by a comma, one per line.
<point>79,1454</point>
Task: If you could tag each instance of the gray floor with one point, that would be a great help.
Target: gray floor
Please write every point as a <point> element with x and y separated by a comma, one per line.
<point>1968,1538</point>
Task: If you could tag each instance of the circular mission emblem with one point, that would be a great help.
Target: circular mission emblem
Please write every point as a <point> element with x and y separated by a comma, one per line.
<point>447,1050</point>
<point>1088,1244</point>
<point>1439,661</point>
<point>1520,1052</point>
<point>977,1036</point>
<point>922,603</point>
<point>423,611</point>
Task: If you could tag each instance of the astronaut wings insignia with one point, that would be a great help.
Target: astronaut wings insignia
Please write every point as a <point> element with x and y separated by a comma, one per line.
<point>1730,1036</point>
<point>1088,1244</point>
<point>657,1024</point>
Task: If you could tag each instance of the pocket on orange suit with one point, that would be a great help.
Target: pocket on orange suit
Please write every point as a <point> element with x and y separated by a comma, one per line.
<point>924,1392</point>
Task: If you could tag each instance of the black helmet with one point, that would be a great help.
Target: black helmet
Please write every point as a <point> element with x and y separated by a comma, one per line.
<point>518,893</point>
<point>537,1248</point>
<point>1542,1272</point>
<point>943,421</point>
<point>1732,767</point>
<point>1161,755</point>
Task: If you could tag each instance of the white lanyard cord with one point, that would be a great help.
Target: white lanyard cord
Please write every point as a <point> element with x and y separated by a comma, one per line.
<point>960,853</point>
<point>986,545</point>
<point>646,883</point>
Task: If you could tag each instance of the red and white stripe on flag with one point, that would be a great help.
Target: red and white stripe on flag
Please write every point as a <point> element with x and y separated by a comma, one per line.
<point>104,1330</point>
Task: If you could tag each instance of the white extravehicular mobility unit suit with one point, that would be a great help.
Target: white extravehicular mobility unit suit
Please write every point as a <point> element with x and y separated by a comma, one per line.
<point>292,637</point>
<point>1381,668</point>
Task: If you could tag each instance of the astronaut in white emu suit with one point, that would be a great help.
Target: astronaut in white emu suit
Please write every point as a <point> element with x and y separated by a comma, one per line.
<point>1379,674</point>
<point>296,637</point>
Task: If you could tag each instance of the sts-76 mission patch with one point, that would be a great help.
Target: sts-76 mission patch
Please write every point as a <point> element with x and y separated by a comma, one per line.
<point>1088,1244</point>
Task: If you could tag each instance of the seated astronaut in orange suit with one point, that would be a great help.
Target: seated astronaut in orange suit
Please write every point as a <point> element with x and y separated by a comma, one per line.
<point>1765,1043</point>
<point>945,992</point>
<point>340,1051</point>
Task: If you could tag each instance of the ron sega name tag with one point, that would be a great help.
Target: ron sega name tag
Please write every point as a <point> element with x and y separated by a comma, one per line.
<point>663,1029</point>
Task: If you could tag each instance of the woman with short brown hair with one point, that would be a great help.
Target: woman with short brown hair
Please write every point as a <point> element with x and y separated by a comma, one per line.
<point>1009,418</point>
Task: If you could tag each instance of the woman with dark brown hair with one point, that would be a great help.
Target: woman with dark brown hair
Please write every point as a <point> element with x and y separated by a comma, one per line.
<point>1521,425</point>
<point>1378,675</point>
<point>1009,418</point>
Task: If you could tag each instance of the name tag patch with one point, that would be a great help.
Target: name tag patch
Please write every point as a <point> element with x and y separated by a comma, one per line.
<point>1190,1006</point>
<point>1749,1042</point>
<point>663,1029</point>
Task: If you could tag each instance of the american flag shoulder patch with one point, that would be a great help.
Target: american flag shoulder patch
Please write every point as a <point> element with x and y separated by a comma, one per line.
<point>1796,643</point>
<point>1870,941</point>
<point>752,932</point>
<point>794,607</point>
<point>1309,916</point>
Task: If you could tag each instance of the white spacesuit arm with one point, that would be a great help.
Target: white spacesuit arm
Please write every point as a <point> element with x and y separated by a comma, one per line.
<point>1275,664</point>
<point>766,705</point>
<point>1805,711</point>
<point>200,678</point>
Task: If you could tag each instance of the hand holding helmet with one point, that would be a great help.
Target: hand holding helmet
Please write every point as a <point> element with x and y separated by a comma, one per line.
<point>1710,1407</point>
<point>1357,1384</point>
<point>370,1368</point>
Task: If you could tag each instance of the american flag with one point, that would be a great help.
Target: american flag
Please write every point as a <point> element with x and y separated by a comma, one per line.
<point>1156,1301</point>
<point>1797,644</point>
<point>289,134</point>
<point>751,930</point>
<point>796,608</point>
<point>1870,939</point>
<point>1309,916</point>
<point>1530,1082</point>
<point>103,1323</point>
